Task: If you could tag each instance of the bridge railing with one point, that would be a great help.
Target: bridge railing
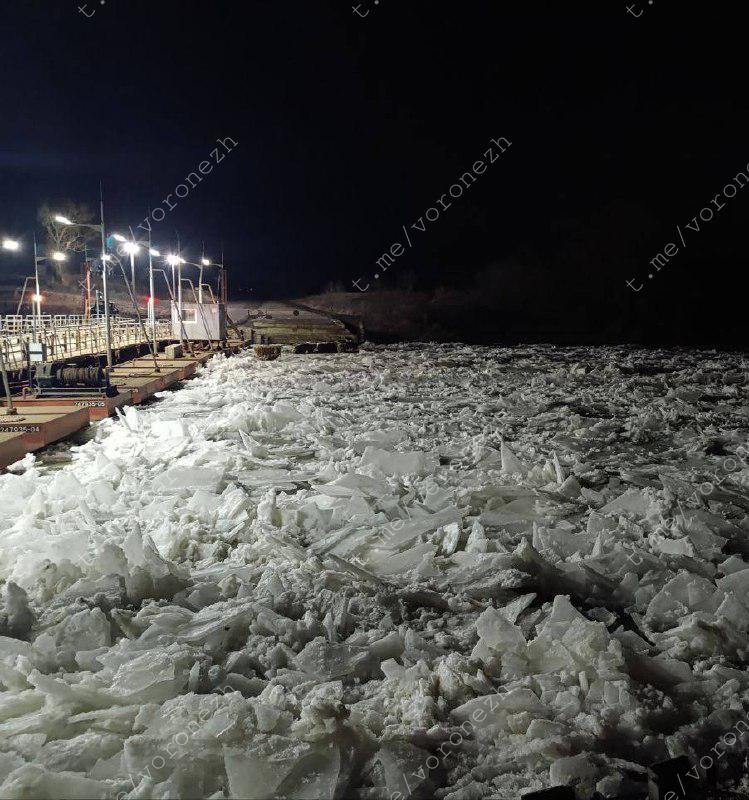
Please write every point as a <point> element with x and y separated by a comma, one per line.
<point>68,336</point>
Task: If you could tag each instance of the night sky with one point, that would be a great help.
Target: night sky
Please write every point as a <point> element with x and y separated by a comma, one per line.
<point>351,125</point>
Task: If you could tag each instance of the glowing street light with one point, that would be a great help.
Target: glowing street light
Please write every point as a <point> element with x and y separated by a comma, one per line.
<point>131,248</point>
<point>204,262</point>
<point>36,311</point>
<point>152,253</point>
<point>63,220</point>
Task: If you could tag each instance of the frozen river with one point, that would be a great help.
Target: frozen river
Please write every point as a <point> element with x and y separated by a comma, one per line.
<point>415,571</point>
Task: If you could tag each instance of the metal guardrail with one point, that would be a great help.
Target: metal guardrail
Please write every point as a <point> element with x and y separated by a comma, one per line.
<point>69,336</point>
<point>20,323</point>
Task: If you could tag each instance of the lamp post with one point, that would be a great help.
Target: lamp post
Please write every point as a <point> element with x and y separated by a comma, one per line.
<point>9,410</point>
<point>104,257</point>
<point>152,253</point>
<point>176,262</point>
<point>37,304</point>
<point>131,247</point>
<point>36,299</point>
<point>204,262</point>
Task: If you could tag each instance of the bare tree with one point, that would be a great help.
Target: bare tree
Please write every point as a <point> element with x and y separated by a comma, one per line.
<point>66,237</point>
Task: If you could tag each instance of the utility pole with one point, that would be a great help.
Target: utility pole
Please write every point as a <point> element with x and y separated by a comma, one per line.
<point>107,330</point>
<point>132,271</point>
<point>179,279</point>
<point>36,308</point>
<point>151,290</point>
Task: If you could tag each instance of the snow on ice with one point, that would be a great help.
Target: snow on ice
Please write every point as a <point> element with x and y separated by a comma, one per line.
<point>419,571</point>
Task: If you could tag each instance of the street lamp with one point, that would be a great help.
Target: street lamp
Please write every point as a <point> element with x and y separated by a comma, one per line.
<point>104,258</point>
<point>152,253</point>
<point>36,299</point>
<point>131,248</point>
<point>204,262</point>
<point>37,296</point>
<point>176,261</point>
<point>9,410</point>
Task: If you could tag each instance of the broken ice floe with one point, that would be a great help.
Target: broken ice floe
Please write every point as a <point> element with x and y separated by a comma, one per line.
<point>475,572</point>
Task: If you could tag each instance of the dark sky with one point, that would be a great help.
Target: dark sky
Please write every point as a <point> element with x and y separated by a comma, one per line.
<point>349,127</point>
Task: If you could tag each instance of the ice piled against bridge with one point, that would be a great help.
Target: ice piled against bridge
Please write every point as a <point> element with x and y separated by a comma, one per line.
<point>417,571</point>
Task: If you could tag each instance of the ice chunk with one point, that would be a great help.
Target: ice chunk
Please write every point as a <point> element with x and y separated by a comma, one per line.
<point>684,593</point>
<point>178,478</point>
<point>577,771</point>
<point>497,632</point>
<point>494,709</point>
<point>450,538</point>
<point>391,463</point>
<point>322,659</point>
<point>87,629</point>
<point>274,766</point>
<point>511,464</point>
<point>402,765</point>
<point>32,780</point>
